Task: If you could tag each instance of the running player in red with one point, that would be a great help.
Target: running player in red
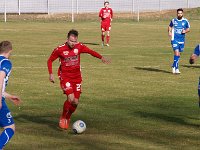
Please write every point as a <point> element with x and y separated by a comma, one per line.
<point>106,15</point>
<point>69,72</point>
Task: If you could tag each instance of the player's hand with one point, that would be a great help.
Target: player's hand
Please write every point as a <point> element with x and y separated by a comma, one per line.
<point>15,99</point>
<point>183,31</point>
<point>106,60</point>
<point>51,78</point>
<point>170,34</point>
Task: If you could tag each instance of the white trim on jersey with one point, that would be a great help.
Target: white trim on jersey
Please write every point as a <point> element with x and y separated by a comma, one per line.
<point>5,79</point>
<point>172,30</point>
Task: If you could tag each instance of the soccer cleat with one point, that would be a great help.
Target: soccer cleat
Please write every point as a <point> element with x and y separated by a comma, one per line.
<point>173,70</point>
<point>177,71</point>
<point>107,45</point>
<point>64,123</point>
<point>102,44</point>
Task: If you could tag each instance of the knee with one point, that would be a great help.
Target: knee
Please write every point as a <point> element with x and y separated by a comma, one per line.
<point>11,127</point>
<point>74,102</point>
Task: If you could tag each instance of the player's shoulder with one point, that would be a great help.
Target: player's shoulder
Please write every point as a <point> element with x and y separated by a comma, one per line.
<point>184,19</point>
<point>60,47</point>
<point>80,44</point>
<point>5,62</point>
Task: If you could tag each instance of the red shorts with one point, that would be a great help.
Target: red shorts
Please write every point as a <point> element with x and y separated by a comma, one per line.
<point>69,87</point>
<point>105,26</point>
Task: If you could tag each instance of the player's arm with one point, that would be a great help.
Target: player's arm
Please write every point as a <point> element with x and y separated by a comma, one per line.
<point>85,49</point>
<point>15,99</point>
<point>54,55</point>
<point>187,28</point>
<point>170,28</point>
<point>100,15</point>
<point>111,13</point>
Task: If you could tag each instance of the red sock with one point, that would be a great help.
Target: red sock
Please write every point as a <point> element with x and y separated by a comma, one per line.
<point>66,108</point>
<point>102,38</point>
<point>107,39</point>
<point>71,110</point>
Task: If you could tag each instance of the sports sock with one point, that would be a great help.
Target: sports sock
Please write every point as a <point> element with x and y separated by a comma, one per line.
<point>5,136</point>
<point>176,61</point>
<point>71,110</point>
<point>66,108</point>
<point>102,38</point>
<point>107,39</point>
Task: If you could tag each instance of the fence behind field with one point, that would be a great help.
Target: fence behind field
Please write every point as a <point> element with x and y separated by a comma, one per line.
<point>88,6</point>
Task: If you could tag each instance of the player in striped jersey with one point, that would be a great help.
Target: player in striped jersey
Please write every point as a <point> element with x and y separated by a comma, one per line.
<point>177,29</point>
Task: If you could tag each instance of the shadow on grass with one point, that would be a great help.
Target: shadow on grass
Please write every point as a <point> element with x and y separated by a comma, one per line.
<point>152,69</point>
<point>172,119</point>
<point>91,43</point>
<point>45,120</point>
<point>190,66</point>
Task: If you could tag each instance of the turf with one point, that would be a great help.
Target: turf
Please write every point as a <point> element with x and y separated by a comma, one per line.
<point>133,103</point>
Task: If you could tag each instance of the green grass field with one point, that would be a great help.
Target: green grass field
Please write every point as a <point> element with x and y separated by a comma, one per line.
<point>133,103</point>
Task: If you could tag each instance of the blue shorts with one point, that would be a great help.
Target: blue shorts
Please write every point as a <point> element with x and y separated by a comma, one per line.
<point>196,50</point>
<point>6,118</point>
<point>177,46</point>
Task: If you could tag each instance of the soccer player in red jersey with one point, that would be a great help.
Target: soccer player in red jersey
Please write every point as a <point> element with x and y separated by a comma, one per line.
<point>106,15</point>
<point>69,72</point>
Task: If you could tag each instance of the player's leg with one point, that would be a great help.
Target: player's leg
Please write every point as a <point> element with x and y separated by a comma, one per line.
<point>108,35</point>
<point>195,55</point>
<point>175,47</point>
<point>68,90</point>
<point>193,58</point>
<point>6,135</point>
<point>181,49</point>
<point>102,37</point>
<point>70,105</point>
<point>7,122</point>
<point>74,99</point>
<point>102,33</point>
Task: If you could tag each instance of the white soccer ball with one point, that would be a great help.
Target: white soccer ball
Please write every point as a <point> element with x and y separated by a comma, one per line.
<point>79,126</point>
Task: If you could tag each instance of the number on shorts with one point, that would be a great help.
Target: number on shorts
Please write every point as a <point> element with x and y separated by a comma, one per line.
<point>78,87</point>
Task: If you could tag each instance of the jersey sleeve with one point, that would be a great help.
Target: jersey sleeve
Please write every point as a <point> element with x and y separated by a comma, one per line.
<point>6,66</point>
<point>187,25</point>
<point>171,23</point>
<point>100,13</point>
<point>54,55</point>
<point>111,13</point>
<point>85,49</point>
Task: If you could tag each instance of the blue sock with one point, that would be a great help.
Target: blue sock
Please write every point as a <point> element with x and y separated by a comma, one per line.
<point>176,61</point>
<point>5,136</point>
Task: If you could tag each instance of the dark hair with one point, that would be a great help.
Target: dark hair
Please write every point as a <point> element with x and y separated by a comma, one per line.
<point>191,61</point>
<point>106,2</point>
<point>72,32</point>
<point>5,46</point>
<point>180,9</point>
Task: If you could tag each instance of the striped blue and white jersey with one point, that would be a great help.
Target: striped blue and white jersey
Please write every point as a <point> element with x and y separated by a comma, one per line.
<point>177,28</point>
<point>6,66</point>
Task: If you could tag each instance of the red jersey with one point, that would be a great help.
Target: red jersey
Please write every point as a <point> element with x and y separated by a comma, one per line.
<point>106,14</point>
<point>70,60</point>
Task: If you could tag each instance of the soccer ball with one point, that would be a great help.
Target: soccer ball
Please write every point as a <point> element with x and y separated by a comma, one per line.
<point>79,127</point>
